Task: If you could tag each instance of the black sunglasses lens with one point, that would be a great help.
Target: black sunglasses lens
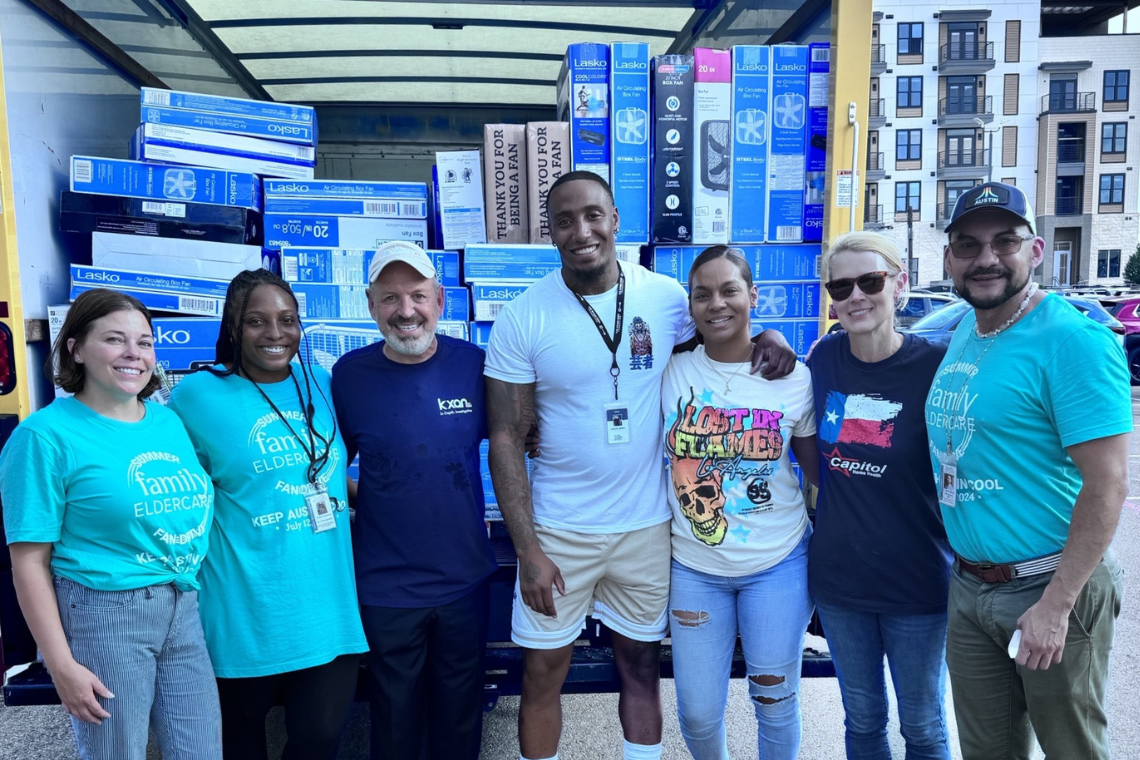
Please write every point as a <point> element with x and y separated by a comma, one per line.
<point>872,282</point>
<point>841,290</point>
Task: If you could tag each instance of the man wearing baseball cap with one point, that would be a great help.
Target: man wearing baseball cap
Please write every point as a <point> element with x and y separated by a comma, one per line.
<point>412,407</point>
<point>1029,419</point>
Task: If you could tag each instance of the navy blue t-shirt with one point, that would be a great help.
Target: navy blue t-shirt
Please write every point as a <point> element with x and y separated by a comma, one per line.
<point>419,537</point>
<point>879,543</point>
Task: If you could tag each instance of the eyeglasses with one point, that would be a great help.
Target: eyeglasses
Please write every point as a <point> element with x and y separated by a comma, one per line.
<point>870,283</point>
<point>1002,245</point>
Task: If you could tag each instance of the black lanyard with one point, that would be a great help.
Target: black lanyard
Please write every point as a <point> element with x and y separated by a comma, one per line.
<point>614,341</point>
<point>316,463</point>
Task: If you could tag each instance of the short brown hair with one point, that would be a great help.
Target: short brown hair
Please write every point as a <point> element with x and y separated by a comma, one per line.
<point>93,305</point>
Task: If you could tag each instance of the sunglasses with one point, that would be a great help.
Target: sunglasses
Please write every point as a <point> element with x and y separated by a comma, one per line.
<point>869,283</point>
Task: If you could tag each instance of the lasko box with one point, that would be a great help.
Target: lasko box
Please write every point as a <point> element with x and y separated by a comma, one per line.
<point>815,186</point>
<point>786,300</point>
<point>504,182</point>
<point>461,198</point>
<point>327,340</point>
<point>324,301</point>
<point>800,333</point>
<point>339,266</point>
<point>154,281</point>
<point>629,139</point>
<point>193,101</point>
<point>672,200</point>
<point>512,263</point>
<point>787,156</point>
<point>781,263</point>
<point>404,200</point>
<point>273,129</point>
<point>748,195</point>
<point>547,159</point>
<point>583,99</point>
<point>87,213</point>
<point>220,142</point>
<point>712,144</point>
<point>341,231</point>
<point>155,301</point>
<point>185,258</point>
<point>162,182</point>
<point>143,148</point>
<point>490,297</point>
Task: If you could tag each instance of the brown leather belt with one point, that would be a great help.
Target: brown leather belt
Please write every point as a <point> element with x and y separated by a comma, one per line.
<point>992,573</point>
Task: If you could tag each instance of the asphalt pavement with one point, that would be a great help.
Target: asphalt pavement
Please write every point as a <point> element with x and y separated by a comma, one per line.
<point>592,731</point>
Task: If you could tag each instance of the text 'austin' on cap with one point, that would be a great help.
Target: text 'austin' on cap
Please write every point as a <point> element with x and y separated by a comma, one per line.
<point>993,195</point>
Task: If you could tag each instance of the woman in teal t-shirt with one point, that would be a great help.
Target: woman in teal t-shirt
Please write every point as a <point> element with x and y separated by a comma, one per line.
<point>279,600</point>
<point>108,514</point>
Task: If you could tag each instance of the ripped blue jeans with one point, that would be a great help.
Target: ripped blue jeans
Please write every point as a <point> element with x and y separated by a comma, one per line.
<point>770,610</point>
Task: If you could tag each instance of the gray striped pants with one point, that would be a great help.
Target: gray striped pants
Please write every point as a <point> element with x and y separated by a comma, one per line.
<point>146,646</point>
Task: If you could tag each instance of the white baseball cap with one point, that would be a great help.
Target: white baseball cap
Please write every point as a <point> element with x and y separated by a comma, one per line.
<point>399,250</point>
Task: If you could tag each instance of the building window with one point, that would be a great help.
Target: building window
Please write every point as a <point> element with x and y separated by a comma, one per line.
<point>910,92</point>
<point>908,145</point>
<point>1112,189</point>
<point>1113,137</point>
<point>908,194</point>
<point>1108,262</point>
<point>1070,142</point>
<point>1116,86</point>
<point>1070,196</point>
<point>1063,92</point>
<point>910,39</point>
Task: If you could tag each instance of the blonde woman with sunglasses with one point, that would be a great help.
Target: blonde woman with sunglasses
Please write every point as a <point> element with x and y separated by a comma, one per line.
<point>879,560</point>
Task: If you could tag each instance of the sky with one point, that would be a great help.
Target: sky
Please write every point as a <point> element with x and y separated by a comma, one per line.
<point>1116,25</point>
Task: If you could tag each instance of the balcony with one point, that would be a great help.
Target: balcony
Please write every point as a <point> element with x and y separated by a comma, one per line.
<point>961,112</point>
<point>1069,204</point>
<point>877,112</point>
<point>1068,102</point>
<point>876,167</point>
<point>873,217</point>
<point>963,164</point>
<point>965,57</point>
<point>878,59</point>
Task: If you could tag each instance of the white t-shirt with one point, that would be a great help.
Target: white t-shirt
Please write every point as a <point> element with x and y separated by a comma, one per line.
<point>737,505</point>
<point>581,482</point>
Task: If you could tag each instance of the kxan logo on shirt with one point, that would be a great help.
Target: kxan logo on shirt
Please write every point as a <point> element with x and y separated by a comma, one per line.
<point>450,406</point>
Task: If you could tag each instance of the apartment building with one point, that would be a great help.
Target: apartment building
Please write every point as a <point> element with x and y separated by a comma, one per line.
<point>1088,148</point>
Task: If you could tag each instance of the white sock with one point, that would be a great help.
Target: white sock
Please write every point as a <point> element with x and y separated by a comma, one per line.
<point>640,751</point>
<point>548,758</point>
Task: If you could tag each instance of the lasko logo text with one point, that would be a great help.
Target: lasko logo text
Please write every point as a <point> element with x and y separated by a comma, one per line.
<point>84,274</point>
<point>287,130</point>
<point>590,63</point>
<point>165,335</point>
<point>290,188</point>
<point>626,65</point>
<point>758,67</point>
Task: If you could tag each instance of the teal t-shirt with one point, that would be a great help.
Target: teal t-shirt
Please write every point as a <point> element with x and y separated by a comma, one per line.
<point>125,505</point>
<point>276,596</point>
<point>1053,380</point>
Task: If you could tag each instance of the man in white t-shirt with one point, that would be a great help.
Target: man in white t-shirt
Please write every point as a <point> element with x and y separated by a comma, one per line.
<point>581,353</point>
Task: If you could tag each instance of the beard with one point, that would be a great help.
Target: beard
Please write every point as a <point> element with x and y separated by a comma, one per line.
<point>404,344</point>
<point>1011,290</point>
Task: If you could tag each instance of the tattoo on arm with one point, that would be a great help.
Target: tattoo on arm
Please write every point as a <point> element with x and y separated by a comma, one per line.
<point>510,415</point>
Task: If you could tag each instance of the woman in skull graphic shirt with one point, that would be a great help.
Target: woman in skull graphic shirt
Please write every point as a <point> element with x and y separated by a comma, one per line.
<point>740,526</point>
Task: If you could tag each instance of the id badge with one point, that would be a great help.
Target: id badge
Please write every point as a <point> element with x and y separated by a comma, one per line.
<point>948,483</point>
<point>322,516</point>
<point>617,424</point>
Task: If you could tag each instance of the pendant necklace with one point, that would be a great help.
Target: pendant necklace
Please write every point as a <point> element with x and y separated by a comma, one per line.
<point>727,380</point>
<point>1009,322</point>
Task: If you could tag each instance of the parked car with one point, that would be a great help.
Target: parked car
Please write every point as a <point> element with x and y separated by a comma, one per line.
<point>920,304</point>
<point>1127,310</point>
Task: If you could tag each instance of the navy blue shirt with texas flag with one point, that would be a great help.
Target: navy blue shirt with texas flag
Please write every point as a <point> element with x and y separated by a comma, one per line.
<point>879,544</point>
<point>419,538</point>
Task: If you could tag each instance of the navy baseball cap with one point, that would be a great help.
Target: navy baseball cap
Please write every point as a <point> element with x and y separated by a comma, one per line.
<point>992,195</point>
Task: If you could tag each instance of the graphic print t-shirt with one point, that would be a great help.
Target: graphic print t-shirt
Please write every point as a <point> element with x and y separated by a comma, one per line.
<point>879,545</point>
<point>275,595</point>
<point>737,506</point>
<point>124,504</point>
<point>1052,380</point>
<point>582,483</point>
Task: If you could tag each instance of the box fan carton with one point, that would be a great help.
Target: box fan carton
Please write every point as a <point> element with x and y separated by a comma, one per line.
<point>394,200</point>
<point>629,139</point>
<point>142,147</point>
<point>671,216</point>
<point>186,258</point>
<point>787,155</point>
<point>751,105</point>
<point>712,144</point>
<point>504,182</point>
<point>165,182</point>
<point>339,266</point>
<point>87,213</point>
<point>583,100</point>
<point>815,186</point>
<point>547,159</point>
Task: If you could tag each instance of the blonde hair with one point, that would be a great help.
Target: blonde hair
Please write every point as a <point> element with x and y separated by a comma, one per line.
<point>868,242</point>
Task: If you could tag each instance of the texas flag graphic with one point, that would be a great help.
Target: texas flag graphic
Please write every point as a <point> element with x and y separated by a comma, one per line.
<point>859,419</point>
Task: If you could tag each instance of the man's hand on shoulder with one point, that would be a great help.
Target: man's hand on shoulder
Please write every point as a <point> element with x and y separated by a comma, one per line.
<point>772,357</point>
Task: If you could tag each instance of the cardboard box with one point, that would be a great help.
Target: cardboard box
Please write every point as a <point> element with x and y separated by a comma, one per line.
<point>172,302</point>
<point>282,230</point>
<point>162,182</point>
<point>504,182</point>
<point>183,258</point>
<point>768,263</point>
<point>751,106</point>
<point>631,254</point>
<point>327,340</point>
<point>404,200</point>
<point>87,213</point>
<point>800,333</point>
<point>261,109</point>
<point>222,142</point>
<point>153,281</point>
<point>461,211</point>
<point>583,100</point>
<point>482,263</point>
<point>547,159</point>
<point>350,188</point>
<point>629,139</point>
<point>493,513</point>
<point>273,129</point>
<point>787,300</point>
<point>712,144</point>
<point>672,199</point>
<point>144,150</point>
<point>489,298</point>
<point>481,333</point>
<point>787,155</point>
<point>338,266</point>
<point>325,301</point>
<point>815,186</point>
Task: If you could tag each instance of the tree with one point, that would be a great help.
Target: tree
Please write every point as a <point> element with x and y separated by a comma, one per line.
<point>1132,268</point>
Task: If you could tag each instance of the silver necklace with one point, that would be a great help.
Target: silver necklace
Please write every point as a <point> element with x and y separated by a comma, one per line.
<point>1020,310</point>
<point>727,380</point>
